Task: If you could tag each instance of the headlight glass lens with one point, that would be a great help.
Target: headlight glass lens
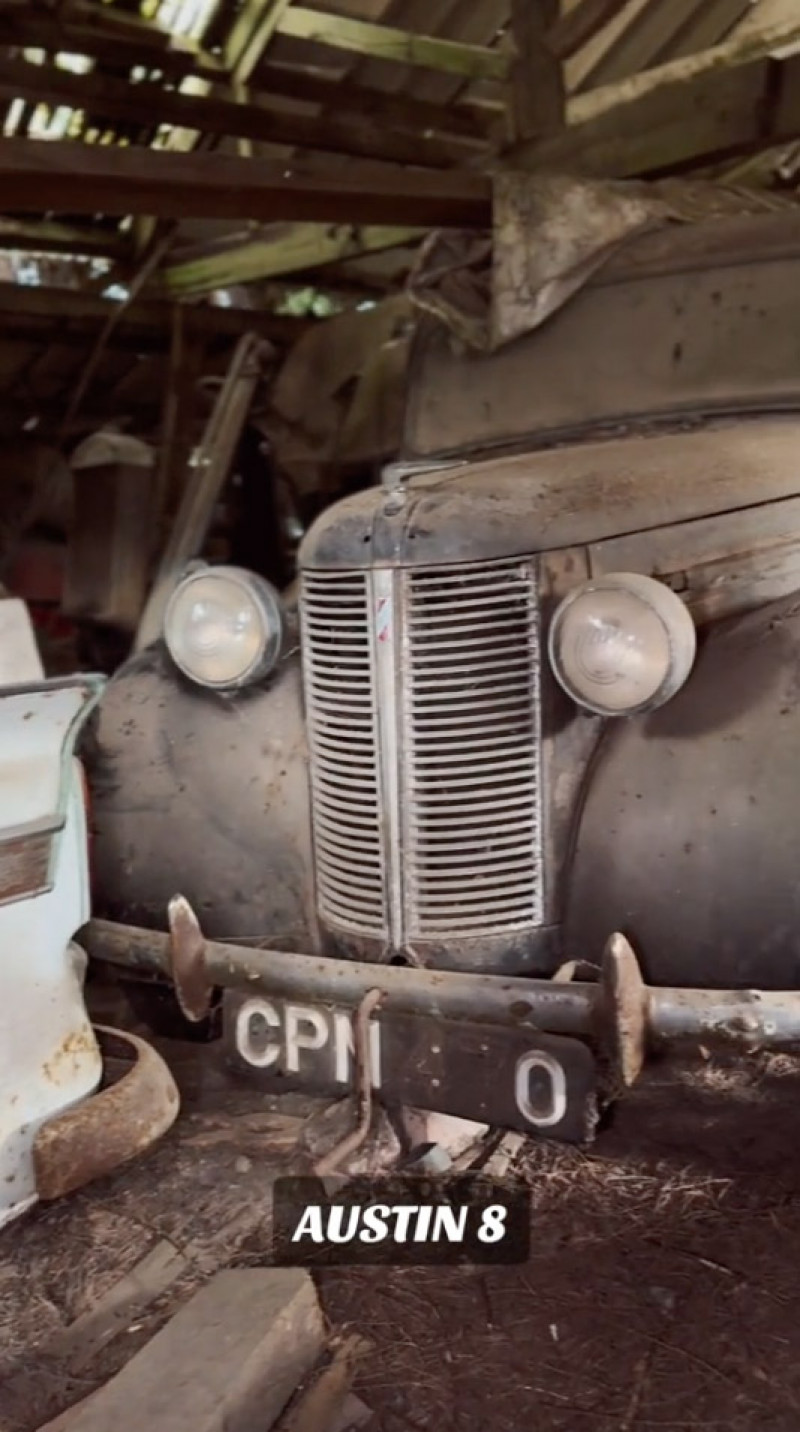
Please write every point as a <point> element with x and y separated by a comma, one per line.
<point>622,644</point>
<point>224,627</point>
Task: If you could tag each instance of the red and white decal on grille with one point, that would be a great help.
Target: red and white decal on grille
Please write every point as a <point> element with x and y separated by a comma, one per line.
<point>383,619</point>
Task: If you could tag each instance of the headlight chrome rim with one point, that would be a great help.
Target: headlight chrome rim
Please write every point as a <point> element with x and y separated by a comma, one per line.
<point>661,603</point>
<point>260,602</point>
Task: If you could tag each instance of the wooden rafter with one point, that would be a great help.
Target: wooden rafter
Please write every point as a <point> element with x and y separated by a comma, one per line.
<point>48,236</point>
<point>383,42</point>
<point>305,247</point>
<point>535,80</point>
<point>40,30</point>
<point>90,179</point>
<point>250,34</point>
<point>220,114</point>
<point>403,111</point>
<point>731,99</point>
<point>571,31</point>
<point>147,321</point>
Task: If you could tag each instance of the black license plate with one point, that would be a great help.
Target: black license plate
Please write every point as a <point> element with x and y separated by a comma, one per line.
<point>510,1077</point>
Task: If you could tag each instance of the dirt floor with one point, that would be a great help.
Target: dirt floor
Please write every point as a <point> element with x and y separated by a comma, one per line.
<point>662,1289</point>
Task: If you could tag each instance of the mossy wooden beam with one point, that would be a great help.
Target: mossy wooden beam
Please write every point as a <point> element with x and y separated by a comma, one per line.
<point>250,34</point>
<point>46,236</point>
<point>383,42</point>
<point>304,248</point>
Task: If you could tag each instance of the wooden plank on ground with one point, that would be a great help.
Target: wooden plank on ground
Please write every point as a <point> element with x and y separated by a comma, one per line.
<point>228,1361</point>
<point>123,1302</point>
<point>89,179</point>
<point>382,42</point>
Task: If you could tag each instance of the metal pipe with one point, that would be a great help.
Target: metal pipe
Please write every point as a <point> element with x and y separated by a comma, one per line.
<point>744,1019</point>
<point>493,999</point>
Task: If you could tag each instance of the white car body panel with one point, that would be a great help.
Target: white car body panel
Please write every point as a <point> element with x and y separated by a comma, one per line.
<point>49,1058</point>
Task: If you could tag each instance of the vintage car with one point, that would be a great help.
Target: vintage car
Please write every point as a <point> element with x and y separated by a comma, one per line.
<point>522,764</point>
<point>56,1131</point>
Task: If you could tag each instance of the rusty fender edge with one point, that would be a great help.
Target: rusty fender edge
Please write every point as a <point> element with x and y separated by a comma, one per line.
<point>623,1016</point>
<point>110,1127</point>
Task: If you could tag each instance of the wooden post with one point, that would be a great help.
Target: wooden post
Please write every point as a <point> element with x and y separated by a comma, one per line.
<point>536,81</point>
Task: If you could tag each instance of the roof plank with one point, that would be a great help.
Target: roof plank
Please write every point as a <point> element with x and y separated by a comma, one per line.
<point>250,34</point>
<point>571,31</point>
<point>305,247</point>
<point>383,42</point>
<point>47,236</point>
<point>57,312</point>
<point>404,111</point>
<point>90,179</point>
<point>219,113</point>
<point>733,98</point>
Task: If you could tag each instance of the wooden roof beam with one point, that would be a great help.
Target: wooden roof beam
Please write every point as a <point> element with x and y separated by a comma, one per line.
<point>60,310</point>
<point>306,247</point>
<point>43,31</point>
<point>737,97</point>
<point>404,111</point>
<point>219,113</point>
<point>383,42</point>
<point>535,81</point>
<point>250,34</point>
<point>38,175</point>
<point>49,237</point>
<point>571,31</point>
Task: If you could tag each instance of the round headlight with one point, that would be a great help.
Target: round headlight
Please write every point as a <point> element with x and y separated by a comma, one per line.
<point>622,644</point>
<point>224,627</point>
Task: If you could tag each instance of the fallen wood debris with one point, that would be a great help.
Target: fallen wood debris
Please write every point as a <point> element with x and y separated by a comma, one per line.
<point>228,1361</point>
<point>320,1405</point>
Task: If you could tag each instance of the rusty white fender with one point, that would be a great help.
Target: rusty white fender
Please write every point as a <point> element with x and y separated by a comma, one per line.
<point>50,1059</point>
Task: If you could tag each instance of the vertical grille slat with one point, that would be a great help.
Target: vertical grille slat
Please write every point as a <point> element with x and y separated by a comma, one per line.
<point>472,647</point>
<point>342,732</point>
<point>444,784</point>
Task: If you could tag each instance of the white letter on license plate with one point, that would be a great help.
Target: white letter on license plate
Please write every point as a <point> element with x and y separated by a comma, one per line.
<point>315,1038</point>
<point>344,1047</point>
<point>257,1052</point>
<point>551,1105</point>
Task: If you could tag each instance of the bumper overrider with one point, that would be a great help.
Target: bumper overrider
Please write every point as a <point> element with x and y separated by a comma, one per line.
<point>544,1056</point>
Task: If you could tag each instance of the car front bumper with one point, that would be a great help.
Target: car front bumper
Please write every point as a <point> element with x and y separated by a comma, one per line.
<point>617,1015</point>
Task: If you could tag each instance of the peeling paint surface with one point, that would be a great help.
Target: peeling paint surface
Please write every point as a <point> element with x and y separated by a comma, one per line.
<point>49,1058</point>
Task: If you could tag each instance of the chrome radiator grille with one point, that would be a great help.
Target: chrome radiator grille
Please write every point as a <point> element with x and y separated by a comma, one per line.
<point>343,737</point>
<point>422,691</point>
<point>471,699</point>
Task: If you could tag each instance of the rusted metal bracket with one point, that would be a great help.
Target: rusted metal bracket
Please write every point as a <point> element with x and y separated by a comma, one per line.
<point>111,1127</point>
<point>353,1141</point>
